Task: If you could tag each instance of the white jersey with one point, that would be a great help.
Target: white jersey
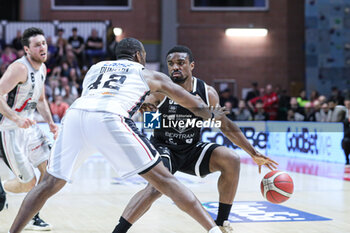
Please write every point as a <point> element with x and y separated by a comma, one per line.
<point>113,86</point>
<point>24,97</point>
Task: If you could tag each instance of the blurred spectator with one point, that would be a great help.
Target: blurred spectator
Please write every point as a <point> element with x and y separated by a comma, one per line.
<point>71,59</point>
<point>302,100</point>
<point>338,113</point>
<point>50,46</point>
<point>283,105</point>
<point>314,97</point>
<point>60,40</point>
<point>51,60</point>
<point>231,115</point>
<point>225,96</point>
<point>61,52</point>
<point>309,112</point>
<point>75,79</point>
<point>17,41</point>
<point>346,139</point>
<point>94,47</point>
<point>295,113</point>
<point>251,103</point>
<point>78,46</point>
<point>325,113</point>
<point>58,108</point>
<point>111,48</point>
<point>270,101</point>
<point>260,114</point>
<point>242,113</point>
<point>253,93</point>
<point>64,69</point>
<point>336,96</point>
<point>336,109</point>
<point>322,99</point>
<point>8,55</point>
<point>2,44</point>
<point>294,116</point>
<point>67,91</point>
<point>295,106</point>
<point>20,53</point>
<point>317,109</point>
<point>3,68</point>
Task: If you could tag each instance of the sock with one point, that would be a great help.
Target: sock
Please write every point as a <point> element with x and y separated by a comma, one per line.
<point>123,226</point>
<point>223,213</point>
<point>215,229</point>
<point>3,185</point>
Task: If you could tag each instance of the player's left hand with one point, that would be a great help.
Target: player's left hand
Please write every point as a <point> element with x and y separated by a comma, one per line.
<point>262,160</point>
<point>218,111</point>
<point>147,107</point>
<point>54,130</point>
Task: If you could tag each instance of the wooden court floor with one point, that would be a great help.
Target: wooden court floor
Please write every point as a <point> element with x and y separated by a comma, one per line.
<point>94,202</point>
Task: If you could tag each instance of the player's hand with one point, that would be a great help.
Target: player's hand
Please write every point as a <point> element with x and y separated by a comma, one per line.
<point>24,123</point>
<point>54,130</point>
<point>219,112</point>
<point>148,107</point>
<point>262,160</point>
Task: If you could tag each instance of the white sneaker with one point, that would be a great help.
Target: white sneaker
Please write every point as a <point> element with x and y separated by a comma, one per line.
<point>226,227</point>
<point>37,224</point>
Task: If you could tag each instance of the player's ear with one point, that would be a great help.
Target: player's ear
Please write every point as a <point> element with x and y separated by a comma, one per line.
<point>192,65</point>
<point>26,49</point>
<point>137,57</point>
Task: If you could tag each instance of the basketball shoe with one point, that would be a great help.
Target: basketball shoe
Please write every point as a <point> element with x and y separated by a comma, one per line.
<point>226,227</point>
<point>37,224</point>
<point>3,203</point>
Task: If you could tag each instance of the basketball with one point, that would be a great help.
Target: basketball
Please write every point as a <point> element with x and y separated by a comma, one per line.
<point>277,186</point>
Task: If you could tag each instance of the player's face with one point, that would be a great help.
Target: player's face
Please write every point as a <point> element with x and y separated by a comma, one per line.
<point>37,49</point>
<point>179,67</point>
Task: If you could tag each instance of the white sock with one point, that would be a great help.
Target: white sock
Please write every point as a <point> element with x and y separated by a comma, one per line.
<point>3,185</point>
<point>215,229</point>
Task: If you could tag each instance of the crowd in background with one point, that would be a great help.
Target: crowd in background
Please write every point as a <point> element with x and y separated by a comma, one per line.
<point>68,60</point>
<point>269,103</point>
<point>70,56</point>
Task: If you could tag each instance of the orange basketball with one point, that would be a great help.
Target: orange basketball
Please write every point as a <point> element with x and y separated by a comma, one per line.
<point>277,186</point>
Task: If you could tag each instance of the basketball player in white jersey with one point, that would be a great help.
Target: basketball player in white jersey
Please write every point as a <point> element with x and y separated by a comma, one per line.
<point>100,121</point>
<point>23,144</point>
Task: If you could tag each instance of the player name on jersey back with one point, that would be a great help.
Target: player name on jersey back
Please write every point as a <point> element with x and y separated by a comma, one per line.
<point>113,86</point>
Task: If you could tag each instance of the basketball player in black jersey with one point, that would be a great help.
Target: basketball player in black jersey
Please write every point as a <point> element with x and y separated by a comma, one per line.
<point>182,150</point>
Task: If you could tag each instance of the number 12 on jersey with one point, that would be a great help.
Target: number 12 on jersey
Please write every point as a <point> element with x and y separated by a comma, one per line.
<point>113,81</point>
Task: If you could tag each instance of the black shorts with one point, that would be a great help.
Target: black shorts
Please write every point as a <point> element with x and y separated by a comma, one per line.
<point>193,161</point>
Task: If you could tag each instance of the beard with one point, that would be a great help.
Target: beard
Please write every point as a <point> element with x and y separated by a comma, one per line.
<point>178,80</point>
<point>38,59</point>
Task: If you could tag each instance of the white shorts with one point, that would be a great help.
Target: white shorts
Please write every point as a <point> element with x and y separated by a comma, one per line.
<point>84,133</point>
<point>24,149</point>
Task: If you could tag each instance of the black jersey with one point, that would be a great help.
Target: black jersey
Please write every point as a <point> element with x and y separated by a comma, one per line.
<point>175,131</point>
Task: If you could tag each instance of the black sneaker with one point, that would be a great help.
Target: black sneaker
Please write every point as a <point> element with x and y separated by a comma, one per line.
<point>3,203</point>
<point>37,224</point>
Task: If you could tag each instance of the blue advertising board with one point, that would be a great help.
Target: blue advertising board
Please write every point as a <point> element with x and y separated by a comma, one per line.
<point>308,140</point>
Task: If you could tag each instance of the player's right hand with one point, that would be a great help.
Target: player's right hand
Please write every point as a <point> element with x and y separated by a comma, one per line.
<point>25,123</point>
<point>148,107</point>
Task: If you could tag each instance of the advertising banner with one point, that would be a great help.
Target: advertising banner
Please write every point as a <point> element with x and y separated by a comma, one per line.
<point>308,140</point>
